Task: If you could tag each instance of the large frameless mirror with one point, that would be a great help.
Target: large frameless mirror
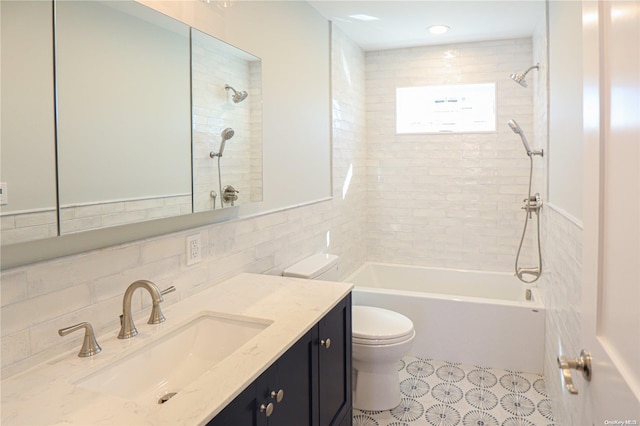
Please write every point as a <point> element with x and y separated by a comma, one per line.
<point>123,102</point>
<point>28,206</point>
<point>100,134</point>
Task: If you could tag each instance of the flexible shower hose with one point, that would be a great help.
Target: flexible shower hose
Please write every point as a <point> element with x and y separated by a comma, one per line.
<point>520,274</point>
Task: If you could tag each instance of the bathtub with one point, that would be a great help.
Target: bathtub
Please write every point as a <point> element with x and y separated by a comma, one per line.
<point>484,318</point>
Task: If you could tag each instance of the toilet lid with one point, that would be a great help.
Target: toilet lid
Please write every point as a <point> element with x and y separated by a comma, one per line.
<point>372,323</point>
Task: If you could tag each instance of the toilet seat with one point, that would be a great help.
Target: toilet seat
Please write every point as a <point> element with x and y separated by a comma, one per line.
<point>378,326</point>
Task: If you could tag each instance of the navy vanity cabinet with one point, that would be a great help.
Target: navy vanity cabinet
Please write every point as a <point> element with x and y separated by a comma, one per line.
<point>334,366</point>
<point>282,395</point>
<point>242,410</point>
<point>310,384</point>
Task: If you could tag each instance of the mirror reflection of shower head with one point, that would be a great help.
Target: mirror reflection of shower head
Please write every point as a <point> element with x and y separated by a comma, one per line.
<point>237,97</point>
<point>518,131</point>
<point>520,78</point>
<point>226,135</point>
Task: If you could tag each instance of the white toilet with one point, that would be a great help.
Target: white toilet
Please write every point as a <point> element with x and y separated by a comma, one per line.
<point>380,339</point>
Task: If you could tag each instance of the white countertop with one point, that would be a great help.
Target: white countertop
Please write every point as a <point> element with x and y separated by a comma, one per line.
<point>45,395</point>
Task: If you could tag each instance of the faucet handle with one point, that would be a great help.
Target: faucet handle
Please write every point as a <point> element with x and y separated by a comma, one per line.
<point>90,345</point>
<point>168,290</point>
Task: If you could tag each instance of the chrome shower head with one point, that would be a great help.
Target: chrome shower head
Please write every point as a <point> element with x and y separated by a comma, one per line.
<point>520,78</point>
<point>226,135</point>
<point>518,131</point>
<point>237,97</point>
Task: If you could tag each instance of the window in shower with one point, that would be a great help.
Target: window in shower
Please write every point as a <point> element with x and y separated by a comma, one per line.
<point>456,108</point>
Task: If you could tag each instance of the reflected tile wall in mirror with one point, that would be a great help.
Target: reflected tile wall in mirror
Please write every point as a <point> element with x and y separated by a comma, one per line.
<point>215,65</point>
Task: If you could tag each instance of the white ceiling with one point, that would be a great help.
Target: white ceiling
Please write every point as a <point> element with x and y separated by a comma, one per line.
<point>404,23</point>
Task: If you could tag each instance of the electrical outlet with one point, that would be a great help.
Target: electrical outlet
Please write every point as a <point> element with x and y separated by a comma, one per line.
<point>193,249</point>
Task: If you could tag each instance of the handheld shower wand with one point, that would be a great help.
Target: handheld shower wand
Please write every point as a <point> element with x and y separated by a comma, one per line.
<point>533,204</point>
<point>518,131</point>
<point>237,97</point>
<point>226,135</point>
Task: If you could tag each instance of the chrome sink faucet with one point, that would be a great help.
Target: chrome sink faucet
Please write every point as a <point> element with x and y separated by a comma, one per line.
<point>128,328</point>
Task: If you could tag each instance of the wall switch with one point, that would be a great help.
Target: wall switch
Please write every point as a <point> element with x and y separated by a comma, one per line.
<point>4,196</point>
<point>193,249</point>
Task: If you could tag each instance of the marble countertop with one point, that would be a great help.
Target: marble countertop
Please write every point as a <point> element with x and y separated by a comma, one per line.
<point>46,395</point>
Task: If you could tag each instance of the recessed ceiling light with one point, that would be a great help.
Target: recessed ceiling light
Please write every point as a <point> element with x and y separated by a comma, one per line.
<point>438,29</point>
<point>361,17</point>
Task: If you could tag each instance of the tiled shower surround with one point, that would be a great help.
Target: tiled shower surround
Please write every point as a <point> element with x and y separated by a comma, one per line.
<point>448,200</point>
<point>213,111</point>
<point>397,200</point>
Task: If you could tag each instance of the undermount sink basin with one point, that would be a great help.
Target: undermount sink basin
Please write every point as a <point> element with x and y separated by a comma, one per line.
<point>157,371</point>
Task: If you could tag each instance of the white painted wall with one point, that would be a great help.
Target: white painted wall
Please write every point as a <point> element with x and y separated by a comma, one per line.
<point>565,111</point>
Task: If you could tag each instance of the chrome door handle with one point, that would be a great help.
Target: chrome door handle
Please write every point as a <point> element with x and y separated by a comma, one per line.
<point>582,364</point>
<point>325,343</point>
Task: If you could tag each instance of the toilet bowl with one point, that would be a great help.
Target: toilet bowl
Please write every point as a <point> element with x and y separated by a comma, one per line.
<point>380,339</point>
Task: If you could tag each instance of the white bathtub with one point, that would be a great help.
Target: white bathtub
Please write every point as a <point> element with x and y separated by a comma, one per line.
<point>481,318</point>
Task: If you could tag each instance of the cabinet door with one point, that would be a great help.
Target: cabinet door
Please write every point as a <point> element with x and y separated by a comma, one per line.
<point>292,376</point>
<point>334,367</point>
<point>245,408</point>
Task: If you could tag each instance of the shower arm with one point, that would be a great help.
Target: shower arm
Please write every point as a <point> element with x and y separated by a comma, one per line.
<point>533,67</point>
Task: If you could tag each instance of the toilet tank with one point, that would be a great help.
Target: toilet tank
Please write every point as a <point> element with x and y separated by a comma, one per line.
<point>317,267</point>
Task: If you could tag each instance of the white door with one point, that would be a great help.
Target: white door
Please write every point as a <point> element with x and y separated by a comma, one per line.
<point>611,258</point>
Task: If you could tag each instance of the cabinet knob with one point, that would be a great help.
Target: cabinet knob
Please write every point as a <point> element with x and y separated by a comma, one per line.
<point>267,409</point>
<point>278,396</point>
<point>326,343</point>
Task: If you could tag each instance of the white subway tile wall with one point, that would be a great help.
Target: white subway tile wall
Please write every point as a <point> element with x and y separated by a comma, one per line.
<point>28,226</point>
<point>213,110</point>
<point>560,288</point>
<point>96,216</point>
<point>447,200</point>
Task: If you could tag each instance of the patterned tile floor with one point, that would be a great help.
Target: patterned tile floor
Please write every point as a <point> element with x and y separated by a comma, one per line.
<point>439,393</point>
